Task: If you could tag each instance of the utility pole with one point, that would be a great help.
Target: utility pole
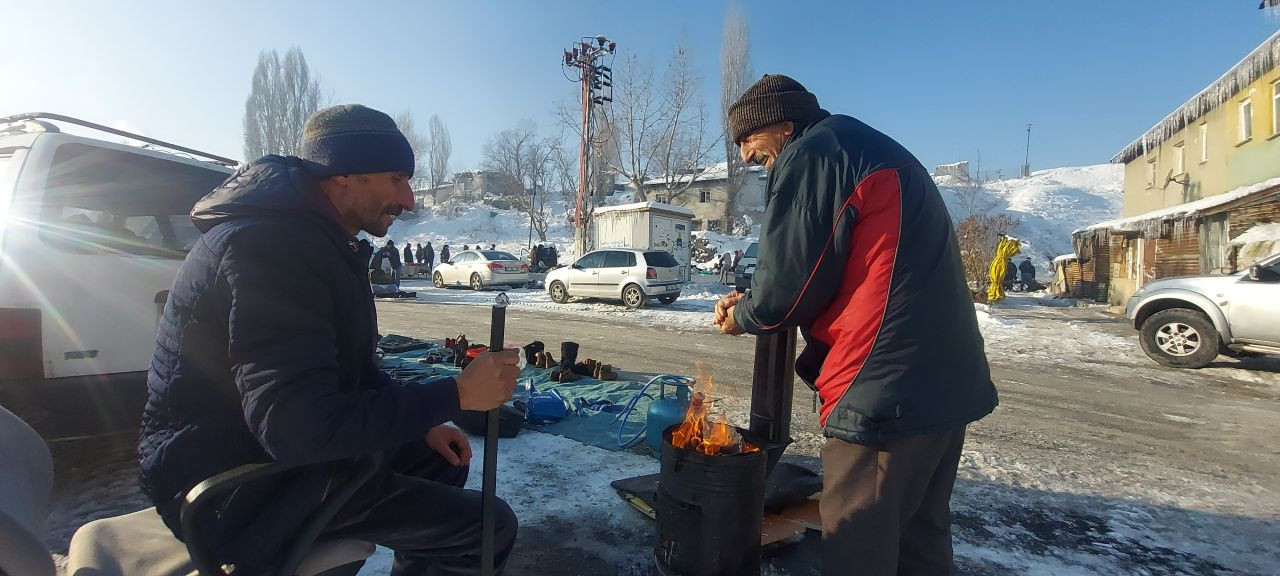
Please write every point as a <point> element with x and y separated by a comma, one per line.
<point>1026,163</point>
<point>596,88</point>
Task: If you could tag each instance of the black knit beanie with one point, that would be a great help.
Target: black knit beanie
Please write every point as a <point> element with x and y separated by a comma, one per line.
<point>772,99</point>
<point>354,139</point>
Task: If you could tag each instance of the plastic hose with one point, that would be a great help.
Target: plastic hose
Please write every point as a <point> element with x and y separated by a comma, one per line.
<point>625,416</point>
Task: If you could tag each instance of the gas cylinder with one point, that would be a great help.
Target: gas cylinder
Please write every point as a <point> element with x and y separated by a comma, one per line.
<point>666,410</point>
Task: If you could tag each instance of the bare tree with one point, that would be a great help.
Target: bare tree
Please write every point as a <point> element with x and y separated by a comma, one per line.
<point>439,149</point>
<point>522,164</point>
<point>977,235</point>
<point>735,77</point>
<point>284,93</point>
<point>660,131</point>
<point>418,142</point>
<point>687,144</point>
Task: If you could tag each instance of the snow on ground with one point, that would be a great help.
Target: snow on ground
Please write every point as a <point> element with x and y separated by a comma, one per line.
<point>694,309</point>
<point>720,243</point>
<point>482,224</point>
<point>1050,204</point>
<point>559,488</point>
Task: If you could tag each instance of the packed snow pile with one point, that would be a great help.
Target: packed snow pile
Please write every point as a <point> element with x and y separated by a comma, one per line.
<point>1049,204</point>
<point>1260,233</point>
<point>708,245</point>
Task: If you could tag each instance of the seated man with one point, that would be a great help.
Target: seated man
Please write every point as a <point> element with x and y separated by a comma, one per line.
<point>266,353</point>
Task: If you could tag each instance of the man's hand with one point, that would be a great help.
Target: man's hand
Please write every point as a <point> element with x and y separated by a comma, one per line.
<point>488,380</point>
<point>729,325</point>
<point>724,306</point>
<point>451,443</point>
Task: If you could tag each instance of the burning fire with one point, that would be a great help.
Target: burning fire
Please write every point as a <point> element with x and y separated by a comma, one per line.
<point>703,436</point>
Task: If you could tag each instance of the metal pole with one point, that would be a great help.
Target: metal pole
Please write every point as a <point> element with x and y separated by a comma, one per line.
<point>1026,163</point>
<point>772,389</point>
<point>489,484</point>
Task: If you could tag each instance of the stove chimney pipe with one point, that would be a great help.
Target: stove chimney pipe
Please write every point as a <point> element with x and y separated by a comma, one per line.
<point>771,392</point>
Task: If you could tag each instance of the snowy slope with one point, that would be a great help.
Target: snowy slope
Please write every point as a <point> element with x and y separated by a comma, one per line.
<point>1050,204</point>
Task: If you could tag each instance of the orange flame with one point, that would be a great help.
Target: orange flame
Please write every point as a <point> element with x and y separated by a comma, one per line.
<point>699,434</point>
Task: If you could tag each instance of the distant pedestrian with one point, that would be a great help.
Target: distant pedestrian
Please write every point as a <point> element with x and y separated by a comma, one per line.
<point>394,256</point>
<point>465,247</point>
<point>1010,274</point>
<point>493,246</point>
<point>726,262</point>
<point>444,254</point>
<point>429,258</point>
<point>1028,271</point>
<point>408,253</point>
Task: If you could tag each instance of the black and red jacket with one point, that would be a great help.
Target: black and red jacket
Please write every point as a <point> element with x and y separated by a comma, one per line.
<point>857,250</point>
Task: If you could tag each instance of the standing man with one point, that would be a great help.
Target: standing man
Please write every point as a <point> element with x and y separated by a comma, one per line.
<point>394,256</point>
<point>725,262</point>
<point>268,355</point>
<point>857,250</point>
<point>408,253</point>
<point>1028,271</point>
<point>444,254</point>
<point>429,258</point>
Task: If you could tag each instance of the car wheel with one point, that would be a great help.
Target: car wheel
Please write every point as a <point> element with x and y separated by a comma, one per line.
<point>1180,338</point>
<point>438,280</point>
<point>666,299</point>
<point>558,294</point>
<point>476,283</point>
<point>634,297</point>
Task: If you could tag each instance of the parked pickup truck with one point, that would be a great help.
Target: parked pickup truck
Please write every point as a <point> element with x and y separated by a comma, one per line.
<point>1186,322</point>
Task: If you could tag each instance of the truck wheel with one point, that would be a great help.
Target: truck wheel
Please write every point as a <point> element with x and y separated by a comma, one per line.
<point>1180,338</point>
<point>634,297</point>
<point>558,294</point>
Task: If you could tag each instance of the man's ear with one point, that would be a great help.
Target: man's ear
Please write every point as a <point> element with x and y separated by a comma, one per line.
<point>788,127</point>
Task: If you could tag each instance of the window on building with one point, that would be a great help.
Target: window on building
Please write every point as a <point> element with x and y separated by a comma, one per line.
<point>1179,159</point>
<point>1151,173</point>
<point>1275,107</point>
<point>1246,120</point>
<point>660,198</point>
<point>704,196</point>
<point>1204,142</point>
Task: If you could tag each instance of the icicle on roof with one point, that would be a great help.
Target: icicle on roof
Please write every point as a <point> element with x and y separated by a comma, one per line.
<point>1262,60</point>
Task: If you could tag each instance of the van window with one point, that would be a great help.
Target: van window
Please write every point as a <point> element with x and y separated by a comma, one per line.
<point>617,259</point>
<point>104,201</point>
<point>659,259</point>
<point>751,250</point>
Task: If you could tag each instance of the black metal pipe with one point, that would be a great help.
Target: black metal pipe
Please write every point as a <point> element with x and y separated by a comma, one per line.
<point>772,389</point>
<point>489,483</point>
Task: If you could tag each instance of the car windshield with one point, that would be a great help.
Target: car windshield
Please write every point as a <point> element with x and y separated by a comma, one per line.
<point>660,259</point>
<point>492,255</point>
<point>751,250</point>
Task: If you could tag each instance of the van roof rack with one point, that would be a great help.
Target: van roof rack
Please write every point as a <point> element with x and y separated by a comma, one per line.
<point>35,117</point>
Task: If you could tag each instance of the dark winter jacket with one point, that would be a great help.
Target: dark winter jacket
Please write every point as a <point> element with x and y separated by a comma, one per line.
<point>393,255</point>
<point>430,257</point>
<point>444,254</point>
<point>408,254</point>
<point>1028,271</point>
<point>857,249</point>
<point>266,350</point>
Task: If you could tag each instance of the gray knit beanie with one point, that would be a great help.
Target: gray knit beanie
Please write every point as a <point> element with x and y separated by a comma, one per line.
<point>772,99</point>
<point>354,139</point>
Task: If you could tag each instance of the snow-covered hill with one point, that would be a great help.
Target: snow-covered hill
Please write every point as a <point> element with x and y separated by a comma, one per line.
<point>1049,204</point>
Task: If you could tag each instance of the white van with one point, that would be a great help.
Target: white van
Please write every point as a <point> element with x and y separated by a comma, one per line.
<point>91,236</point>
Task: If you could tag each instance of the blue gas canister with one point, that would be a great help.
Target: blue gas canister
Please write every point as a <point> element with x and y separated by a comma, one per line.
<point>666,411</point>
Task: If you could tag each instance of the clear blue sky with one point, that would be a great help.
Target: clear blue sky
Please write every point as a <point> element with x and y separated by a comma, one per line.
<point>945,78</point>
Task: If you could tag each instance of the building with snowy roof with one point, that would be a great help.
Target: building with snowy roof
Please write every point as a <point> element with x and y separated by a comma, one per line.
<point>1203,176</point>
<point>706,192</point>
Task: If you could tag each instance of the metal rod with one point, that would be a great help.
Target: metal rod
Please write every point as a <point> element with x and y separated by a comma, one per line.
<point>489,484</point>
